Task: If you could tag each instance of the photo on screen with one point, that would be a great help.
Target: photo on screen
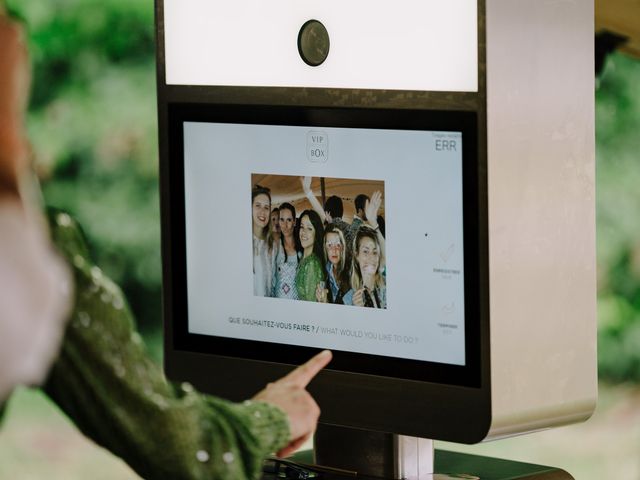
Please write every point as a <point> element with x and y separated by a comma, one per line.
<point>319,239</point>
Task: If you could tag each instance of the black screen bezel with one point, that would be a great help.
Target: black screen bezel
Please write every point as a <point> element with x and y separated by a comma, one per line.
<point>465,122</point>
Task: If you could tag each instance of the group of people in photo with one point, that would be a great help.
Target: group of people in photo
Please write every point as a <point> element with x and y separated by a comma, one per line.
<point>315,255</point>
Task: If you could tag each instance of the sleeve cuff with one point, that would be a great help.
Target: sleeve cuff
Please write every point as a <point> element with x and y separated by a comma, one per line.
<point>269,424</point>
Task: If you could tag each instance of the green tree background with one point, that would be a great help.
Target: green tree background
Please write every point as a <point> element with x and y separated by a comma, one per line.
<point>92,122</point>
<point>618,219</point>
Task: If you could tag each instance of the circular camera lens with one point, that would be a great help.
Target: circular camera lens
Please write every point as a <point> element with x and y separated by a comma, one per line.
<point>313,43</point>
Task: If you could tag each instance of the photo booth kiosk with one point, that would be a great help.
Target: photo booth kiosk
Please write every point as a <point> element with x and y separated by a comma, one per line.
<point>475,121</point>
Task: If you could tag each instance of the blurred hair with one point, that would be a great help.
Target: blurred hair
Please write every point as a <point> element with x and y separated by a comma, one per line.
<point>381,225</point>
<point>291,208</point>
<point>333,205</point>
<point>361,201</point>
<point>260,190</point>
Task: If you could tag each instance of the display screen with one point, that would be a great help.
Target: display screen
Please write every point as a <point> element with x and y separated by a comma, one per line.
<point>346,238</point>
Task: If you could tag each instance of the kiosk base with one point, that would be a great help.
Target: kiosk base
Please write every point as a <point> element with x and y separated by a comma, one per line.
<point>453,465</point>
<point>375,454</point>
<point>342,453</point>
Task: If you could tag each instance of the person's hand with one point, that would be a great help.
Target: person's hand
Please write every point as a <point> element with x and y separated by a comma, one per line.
<point>290,395</point>
<point>358,297</point>
<point>372,207</point>
<point>14,89</point>
<point>14,67</point>
<point>37,287</point>
<point>306,185</point>
<point>321,293</point>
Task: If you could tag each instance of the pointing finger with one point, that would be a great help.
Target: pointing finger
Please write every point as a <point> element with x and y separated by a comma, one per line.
<point>302,375</point>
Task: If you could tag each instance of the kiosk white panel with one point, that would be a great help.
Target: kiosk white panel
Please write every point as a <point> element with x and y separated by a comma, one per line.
<point>404,45</point>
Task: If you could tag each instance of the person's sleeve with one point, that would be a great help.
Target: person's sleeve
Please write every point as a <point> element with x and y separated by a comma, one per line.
<point>348,298</point>
<point>309,279</point>
<point>318,275</point>
<point>106,383</point>
<point>301,280</point>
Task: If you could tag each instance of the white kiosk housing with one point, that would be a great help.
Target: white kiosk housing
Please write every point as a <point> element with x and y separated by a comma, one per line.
<point>524,69</point>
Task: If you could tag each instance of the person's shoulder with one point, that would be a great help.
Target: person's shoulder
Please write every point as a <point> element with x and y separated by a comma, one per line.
<point>355,223</point>
<point>341,224</point>
<point>66,233</point>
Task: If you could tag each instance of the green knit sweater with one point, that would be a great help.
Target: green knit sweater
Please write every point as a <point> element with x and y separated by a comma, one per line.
<point>105,382</point>
<point>310,274</point>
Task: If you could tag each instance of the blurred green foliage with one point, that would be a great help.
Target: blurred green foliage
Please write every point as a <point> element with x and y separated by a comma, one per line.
<point>618,209</point>
<point>92,122</point>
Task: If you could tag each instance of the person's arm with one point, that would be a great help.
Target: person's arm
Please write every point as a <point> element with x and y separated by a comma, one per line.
<point>34,283</point>
<point>14,89</point>
<point>301,280</point>
<point>358,298</point>
<point>315,204</point>
<point>322,294</point>
<point>106,383</point>
<point>318,276</point>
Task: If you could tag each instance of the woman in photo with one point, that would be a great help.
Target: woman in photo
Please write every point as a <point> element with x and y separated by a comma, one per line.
<point>310,276</point>
<point>336,266</point>
<point>368,287</point>
<point>288,256</point>
<point>263,245</point>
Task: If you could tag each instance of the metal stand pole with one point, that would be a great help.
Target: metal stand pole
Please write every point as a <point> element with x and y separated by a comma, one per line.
<point>374,454</point>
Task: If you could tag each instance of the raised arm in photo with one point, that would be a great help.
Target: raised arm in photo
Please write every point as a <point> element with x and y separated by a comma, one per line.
<point>371,209</point>
<point>315,204</point>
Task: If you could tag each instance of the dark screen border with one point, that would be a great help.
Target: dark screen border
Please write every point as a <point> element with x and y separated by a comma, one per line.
<point>174,250</point>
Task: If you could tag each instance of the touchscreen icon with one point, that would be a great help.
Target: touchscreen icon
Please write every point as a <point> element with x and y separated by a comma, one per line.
<point>446,254</point>
<point>449,308</point>
<point>317,146</point>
